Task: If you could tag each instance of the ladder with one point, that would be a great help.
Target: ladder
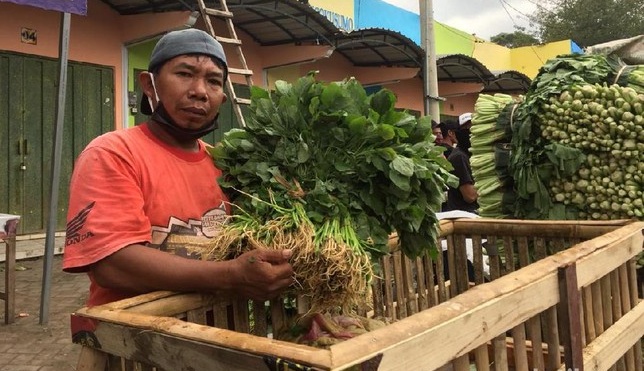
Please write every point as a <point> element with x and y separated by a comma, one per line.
<point>233,40</point>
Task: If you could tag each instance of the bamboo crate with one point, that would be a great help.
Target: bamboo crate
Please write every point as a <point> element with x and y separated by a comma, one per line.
<point>558,295</point>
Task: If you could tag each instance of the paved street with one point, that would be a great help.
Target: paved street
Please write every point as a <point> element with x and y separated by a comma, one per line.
<point>25,345</point>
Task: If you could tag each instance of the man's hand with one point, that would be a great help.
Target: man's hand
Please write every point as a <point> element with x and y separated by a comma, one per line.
<point>261,274</point>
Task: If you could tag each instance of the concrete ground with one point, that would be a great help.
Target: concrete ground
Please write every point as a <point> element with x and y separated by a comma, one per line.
<point>26,345</point>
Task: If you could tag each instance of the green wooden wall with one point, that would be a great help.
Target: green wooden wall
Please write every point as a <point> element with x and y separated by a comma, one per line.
<point>28,96</point>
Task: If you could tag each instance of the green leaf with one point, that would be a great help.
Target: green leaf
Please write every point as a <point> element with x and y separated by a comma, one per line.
<point>383,101</point>
<point>400,181</point>
<point>282,87</point>
<point>386,132</point>
<point>357,125</point>
<point>403,166</point>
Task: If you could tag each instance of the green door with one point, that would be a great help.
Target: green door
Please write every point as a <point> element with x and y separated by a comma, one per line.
<point>227,119</point>
<point>28,96</point>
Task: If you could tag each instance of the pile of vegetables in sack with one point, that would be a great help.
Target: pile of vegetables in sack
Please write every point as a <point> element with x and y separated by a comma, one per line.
<point>576,143</point>
<point>330,172</point>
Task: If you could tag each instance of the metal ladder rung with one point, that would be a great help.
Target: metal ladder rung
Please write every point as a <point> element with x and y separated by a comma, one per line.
<point>240,71</point>
<point>242,100</point>
<point>228,40</point>
<point>218,13</point>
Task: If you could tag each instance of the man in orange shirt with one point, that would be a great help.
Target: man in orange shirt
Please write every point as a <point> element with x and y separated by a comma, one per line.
<point>132,188</point>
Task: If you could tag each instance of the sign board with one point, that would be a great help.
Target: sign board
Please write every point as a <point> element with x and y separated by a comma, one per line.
<point>65,6</point>
<point>339,12</point>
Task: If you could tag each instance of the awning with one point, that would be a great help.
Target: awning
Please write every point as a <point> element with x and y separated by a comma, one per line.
<point>508,82</point>
<point>273,22</point>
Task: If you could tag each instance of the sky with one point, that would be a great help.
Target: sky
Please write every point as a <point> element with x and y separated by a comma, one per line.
<point>485,18</point>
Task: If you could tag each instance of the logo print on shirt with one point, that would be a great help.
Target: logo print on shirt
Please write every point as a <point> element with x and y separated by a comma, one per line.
<point>213,219</point>
<point>208,226</point>
<point>73,233</point>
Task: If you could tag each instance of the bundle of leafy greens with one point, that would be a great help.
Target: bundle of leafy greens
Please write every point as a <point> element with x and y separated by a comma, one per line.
<point>331,172</point>
<point>535,160</point>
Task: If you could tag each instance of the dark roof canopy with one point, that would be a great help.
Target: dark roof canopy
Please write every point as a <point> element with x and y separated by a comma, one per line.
<point>278,22</point>
<point>508,81</point>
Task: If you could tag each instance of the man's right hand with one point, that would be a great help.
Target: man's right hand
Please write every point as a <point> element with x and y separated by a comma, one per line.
<point>261,274</point>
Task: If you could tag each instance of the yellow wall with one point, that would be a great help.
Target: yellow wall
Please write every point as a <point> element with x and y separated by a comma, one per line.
<point>494,57</point>
<point>529,59</point>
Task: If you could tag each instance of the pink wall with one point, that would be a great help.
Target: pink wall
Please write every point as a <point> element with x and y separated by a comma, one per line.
<point>93,38</point>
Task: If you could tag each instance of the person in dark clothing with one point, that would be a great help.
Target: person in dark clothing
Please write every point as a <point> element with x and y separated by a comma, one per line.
<point>445,141</point>
<point>465,196</point>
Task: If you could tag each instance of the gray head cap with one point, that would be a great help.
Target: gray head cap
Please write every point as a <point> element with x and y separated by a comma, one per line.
<point>184,42</point>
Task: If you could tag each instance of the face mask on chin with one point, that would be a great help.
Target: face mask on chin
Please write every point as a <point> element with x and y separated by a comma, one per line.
<point>160,115</point>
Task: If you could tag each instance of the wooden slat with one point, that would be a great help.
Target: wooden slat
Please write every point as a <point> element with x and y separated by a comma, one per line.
<point>228,40</point>
<point>241,316</point>
<point>220,316</point>
<point>582,318</point>
<point>537,228</point>
<point>607,307</point>
<point>495,259</point>
<point>598,310</point>
<point>520,349</point>
<point>278,315</point>
<point>443,289</point>
<point>423,295</point>
<point>197,316</point>
<point>570,303</point>
<point>401,308</point>
<point>378,295</point>
<point>500,353</point>
<point>451,265</point>
<point>148,300</point>
<point>614,342</point>
<point>534,334</point>
<point>462,274</point>
<point>239,71</point>
<point>218,13</point>
<point>411,299</point>
<point>616,295</point>
<point>539,248</point>
<point>523,251</point>
<point>173,352</point>
<point>477,250</point>
<point>461,363</point>
<point>91,359</point>
<point>508,250</point>
<point>242,101</point>
<point>551,337</point>
<point>589,314</point>
<point>387,271</point>
<point>260,323</point>
<point>482,358</point>
<point>432,295</point>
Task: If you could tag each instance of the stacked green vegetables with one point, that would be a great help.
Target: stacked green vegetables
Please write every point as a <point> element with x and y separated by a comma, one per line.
<point>490,136</point>
<point>331,172</point>
<point>605,123</point>
<point>578,145</point>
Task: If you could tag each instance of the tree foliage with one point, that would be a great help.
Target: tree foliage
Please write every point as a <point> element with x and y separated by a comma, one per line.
<point>589,22</point>
<point>515,39</point>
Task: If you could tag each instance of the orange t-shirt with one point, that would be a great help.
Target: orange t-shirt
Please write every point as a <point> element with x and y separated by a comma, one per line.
<point>128,187</point>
